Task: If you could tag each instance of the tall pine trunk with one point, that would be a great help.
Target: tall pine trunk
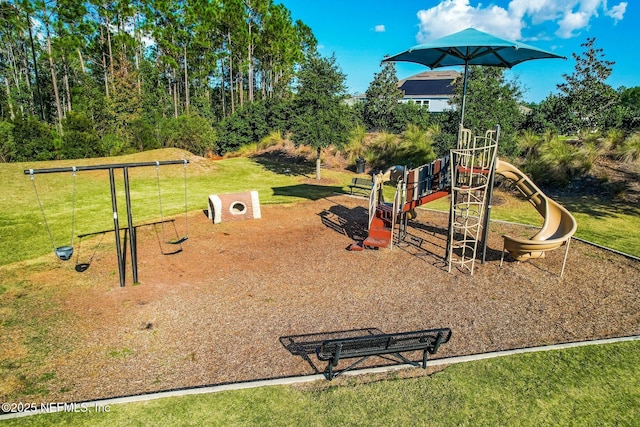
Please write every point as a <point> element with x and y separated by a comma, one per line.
<point>186,82</point>
<point>250,70</point>
<point>54,81</point>
<point>105,71</point>
<point>65,80</point>
<point>319,152</point>
<point>231,73</point>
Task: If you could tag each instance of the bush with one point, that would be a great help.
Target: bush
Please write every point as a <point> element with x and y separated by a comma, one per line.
<point>7,142</point>
<point>143,136</point>
<point>192,133</point>
<point>629,151</point>
<point>113,145</point>
<point>553,160</point>
<point>410,113</point>
<point>416,147</point>
<point>354,148</point>
<point>35,140</point>
<point>562,161</point>
<point>272,139</point>
<point>246,126</point>
<point>80,139</point>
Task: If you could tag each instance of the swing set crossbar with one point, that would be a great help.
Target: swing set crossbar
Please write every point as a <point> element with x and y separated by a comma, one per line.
<point>104,167</point>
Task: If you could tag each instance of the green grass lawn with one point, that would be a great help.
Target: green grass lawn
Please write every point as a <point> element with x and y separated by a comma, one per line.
<point>584,386</point>
<point>611,224</point>
<point>23,233</point>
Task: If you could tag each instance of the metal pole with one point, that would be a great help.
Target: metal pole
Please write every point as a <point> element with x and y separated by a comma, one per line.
<point>116,227</point>
<point>464,91</point>
<point>105,166</point>
<point>132,234</point>
<point>489,200</point>
<point>487,213</point>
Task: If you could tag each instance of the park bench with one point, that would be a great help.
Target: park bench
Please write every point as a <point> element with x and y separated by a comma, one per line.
<point>363,185</point>
<point>389,345</point>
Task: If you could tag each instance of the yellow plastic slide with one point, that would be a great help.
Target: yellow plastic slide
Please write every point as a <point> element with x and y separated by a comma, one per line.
<point>558,227</point>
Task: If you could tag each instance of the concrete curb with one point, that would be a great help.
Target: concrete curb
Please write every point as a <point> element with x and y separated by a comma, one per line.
<point>105,403</point>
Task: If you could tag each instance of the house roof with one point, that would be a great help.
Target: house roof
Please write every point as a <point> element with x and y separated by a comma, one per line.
<point>429,84</point>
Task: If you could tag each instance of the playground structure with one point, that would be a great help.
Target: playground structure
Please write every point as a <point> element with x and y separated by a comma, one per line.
<point>64,253</point>
<point>466,175</point>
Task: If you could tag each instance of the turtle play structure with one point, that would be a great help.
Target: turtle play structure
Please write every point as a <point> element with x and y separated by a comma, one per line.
<point>466,175</point>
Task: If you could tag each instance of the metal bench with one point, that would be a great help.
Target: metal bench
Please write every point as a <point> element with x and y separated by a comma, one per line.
<point>363,347</point>
<point>363,185</point>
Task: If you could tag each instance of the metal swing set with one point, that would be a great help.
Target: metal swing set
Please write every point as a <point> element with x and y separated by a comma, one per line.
<point>65,252</point>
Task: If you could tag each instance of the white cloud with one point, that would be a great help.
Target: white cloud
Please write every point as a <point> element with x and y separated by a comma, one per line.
<point>572,23</point>
<point>379,28</point>
<point>567,18</point>
<point>617,11</point>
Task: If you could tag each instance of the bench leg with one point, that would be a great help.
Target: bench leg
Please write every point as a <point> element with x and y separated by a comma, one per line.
<point>330,374</point>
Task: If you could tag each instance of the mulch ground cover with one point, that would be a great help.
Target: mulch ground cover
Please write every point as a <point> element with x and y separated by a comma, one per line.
<point>227,307</point>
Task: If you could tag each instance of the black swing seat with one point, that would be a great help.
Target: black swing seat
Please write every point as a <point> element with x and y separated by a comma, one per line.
<point>64,253</point>
<point>179,241</point>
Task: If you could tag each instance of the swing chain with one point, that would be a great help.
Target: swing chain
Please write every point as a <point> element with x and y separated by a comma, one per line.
<point>160,198</point>
<point>73,206</point>
<point>186,207</point>
<point>44,217</point>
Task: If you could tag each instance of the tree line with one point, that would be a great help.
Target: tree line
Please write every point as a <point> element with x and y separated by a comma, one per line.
<point>102,78</point>
<point>118,72</point>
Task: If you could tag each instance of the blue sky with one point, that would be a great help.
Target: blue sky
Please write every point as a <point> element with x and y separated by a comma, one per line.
<point>361,33</point>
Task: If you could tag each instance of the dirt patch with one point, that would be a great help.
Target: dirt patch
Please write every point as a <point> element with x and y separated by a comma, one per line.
<point>218,311</point>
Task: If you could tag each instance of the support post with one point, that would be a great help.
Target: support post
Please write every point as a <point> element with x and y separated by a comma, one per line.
<point>489,201</point>
<point>116,227</point>
<point>487,213</point>
<point>132,235</point>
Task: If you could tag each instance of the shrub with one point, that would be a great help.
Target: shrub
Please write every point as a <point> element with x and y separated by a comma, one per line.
<point>80,139</point>
<point>355,145</point>
<point>561,160</point>
<point>7,142</point>
<point>383,150</point>
<point>272,139</point>
<point>113,145</point>
<point>192,133</point>
<point>416,147</point>
<point>629,151</point>
<point>35,139</point>
<point>246,126</point>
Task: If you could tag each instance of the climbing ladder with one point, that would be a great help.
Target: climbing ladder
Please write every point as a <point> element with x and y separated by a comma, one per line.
<point>472,168</point>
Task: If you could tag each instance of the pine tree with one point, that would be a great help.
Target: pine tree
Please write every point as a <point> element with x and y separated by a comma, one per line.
<point>587,98</point>
<point>321,115</point>
<point>382,99</point>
